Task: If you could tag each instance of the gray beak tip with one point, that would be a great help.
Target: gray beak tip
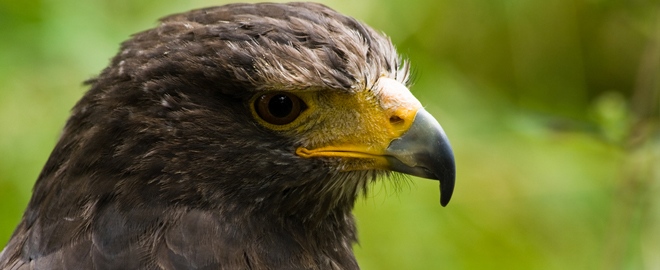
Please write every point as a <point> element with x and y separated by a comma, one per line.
<point>447,188</point>
<point>424,151</point>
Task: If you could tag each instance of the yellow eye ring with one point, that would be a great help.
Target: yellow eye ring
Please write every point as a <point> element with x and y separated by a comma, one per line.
<point>279,108</point>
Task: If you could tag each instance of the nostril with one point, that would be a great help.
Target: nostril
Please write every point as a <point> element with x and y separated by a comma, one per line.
<point>396,120</point>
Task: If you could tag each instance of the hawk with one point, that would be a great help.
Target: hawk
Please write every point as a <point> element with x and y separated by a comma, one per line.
<point>231,137</point>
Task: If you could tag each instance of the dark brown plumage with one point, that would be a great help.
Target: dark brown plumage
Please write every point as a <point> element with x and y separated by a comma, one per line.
<point>167,163</point>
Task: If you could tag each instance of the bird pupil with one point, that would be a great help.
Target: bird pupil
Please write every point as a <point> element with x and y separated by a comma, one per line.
<point>280,106</point>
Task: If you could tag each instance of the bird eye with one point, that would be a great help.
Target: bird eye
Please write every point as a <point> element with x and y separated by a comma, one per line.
<point>279,108</point>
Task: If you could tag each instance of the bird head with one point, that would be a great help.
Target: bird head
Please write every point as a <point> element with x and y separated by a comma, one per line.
<point>294,106</point>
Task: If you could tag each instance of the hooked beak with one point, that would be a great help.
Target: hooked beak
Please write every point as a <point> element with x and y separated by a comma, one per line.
<point>396,134</point>
<point>424,151</point>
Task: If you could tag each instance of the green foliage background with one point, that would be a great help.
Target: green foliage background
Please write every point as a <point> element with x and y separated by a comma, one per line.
<point>552,108</point>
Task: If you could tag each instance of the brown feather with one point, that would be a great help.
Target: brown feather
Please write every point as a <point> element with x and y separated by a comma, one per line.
<point>161,165</point>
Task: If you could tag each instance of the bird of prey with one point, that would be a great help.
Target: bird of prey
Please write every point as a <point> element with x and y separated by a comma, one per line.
<point>230,137</point>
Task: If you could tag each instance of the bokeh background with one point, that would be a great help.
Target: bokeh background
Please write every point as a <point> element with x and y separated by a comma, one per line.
<point>552,108</point>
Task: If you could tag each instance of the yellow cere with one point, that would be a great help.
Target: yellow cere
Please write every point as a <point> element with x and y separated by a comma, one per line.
<point>359,125</point>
